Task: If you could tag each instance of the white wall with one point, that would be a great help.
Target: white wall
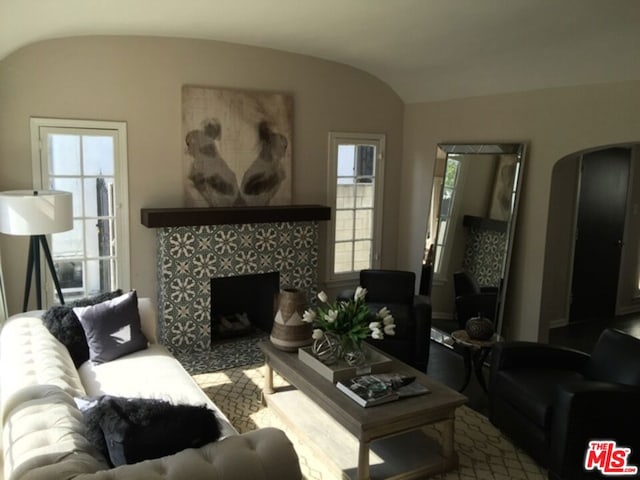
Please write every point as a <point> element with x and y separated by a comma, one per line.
<point>555,123</point>
<point>138,80</point>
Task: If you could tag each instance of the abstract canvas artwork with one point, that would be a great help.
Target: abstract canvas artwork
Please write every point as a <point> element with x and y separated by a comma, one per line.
<point>503,188</point>
<point>236,147</point>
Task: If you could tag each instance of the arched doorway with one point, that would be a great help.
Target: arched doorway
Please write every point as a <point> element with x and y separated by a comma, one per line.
<point>591,258</point>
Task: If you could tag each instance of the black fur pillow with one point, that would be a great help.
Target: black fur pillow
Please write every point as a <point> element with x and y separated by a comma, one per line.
<point>90,412</point>
<point>65,326</point>
<point>130,430</point>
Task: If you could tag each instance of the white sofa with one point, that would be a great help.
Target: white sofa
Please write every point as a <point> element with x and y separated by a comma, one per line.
<point>43,432</point>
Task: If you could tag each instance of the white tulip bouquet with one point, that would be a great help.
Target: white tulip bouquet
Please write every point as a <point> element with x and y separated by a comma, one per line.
<point>351,321</point>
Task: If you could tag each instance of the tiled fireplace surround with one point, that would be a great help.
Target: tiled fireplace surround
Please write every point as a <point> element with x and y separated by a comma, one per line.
<point>190,255</point>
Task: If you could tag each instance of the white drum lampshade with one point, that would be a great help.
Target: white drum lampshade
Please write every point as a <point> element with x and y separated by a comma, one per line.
<point>35,212</point>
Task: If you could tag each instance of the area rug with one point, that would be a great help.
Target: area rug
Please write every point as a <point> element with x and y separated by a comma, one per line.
<point>483,452</point>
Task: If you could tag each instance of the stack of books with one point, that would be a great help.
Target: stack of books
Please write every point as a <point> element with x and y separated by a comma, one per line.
<point>379,388</point>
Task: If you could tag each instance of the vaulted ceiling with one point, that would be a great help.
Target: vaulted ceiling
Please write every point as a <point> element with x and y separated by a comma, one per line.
<point>425,50</point>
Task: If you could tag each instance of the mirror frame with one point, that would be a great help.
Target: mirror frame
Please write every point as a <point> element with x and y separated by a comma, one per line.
<point>498,148</point>
<point>3,298</point>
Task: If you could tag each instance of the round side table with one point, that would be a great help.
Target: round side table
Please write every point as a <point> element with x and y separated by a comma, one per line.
<point>475,353</point>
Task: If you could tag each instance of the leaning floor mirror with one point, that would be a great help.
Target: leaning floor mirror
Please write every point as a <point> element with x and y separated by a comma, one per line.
<point>470,231</point>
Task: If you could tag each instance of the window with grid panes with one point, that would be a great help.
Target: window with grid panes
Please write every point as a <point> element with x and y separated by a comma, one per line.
<point>356,188</point>
<point>87,159</point>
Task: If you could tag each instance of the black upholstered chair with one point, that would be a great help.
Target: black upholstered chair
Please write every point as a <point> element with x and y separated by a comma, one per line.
<point>472,300</point>
<point>552,401</point>
<point>395,290</point>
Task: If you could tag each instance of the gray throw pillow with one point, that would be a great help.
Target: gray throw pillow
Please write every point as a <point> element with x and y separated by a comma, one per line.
<point>112,328</point>
<point>64,325</point>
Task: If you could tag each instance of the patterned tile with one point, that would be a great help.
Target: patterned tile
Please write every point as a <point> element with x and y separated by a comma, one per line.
<point>224,355</point>
<point>483,255</point>
<point>188,257</point>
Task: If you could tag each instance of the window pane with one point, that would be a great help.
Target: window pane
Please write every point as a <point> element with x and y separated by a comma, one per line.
<point>67,244</point>
<point>364,195</point>
<point>437,260</point>
<point>109,240</point>
<point>366,160</point>
<point>362,255</point>
<point>346,158</point>
<point>96,196</point>
<point>98,155</point>
<point>447,200</point>
<point>97,238</point>
<point>100,276</point>
<point>345,196</point>
<point>451,173</point>
<point>69,274</point>
<point>64,152</point>
<point>364,223</point>
<point>344,225</point>
<point>72,185</point>
<point>442,231</point>
<point>343,256</point>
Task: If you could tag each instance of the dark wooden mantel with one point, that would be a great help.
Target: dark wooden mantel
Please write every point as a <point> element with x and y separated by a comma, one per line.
<point>485,223</point>
<point>184,217</point>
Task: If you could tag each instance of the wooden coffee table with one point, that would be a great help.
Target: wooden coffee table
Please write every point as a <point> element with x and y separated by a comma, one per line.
<point>341,429</point>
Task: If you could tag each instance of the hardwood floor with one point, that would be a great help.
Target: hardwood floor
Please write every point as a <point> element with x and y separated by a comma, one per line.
<point>447,366</point>
<point>583,335</point>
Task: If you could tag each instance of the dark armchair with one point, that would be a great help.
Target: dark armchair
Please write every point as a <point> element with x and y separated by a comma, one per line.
<point>471,299</point>
<point>412,313</point>
<point>551,401</point>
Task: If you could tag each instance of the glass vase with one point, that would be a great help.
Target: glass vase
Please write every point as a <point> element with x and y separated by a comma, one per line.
<point>353,352</point>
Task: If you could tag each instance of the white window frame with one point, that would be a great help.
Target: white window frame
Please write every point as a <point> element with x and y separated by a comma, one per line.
<point>121,180</point>
<point>345,138</point>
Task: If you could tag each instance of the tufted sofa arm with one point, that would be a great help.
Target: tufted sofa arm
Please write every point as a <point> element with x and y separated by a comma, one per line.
<point>260,454</point>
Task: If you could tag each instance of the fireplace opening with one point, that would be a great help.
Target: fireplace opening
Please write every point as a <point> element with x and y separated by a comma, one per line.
<point>243,304</point>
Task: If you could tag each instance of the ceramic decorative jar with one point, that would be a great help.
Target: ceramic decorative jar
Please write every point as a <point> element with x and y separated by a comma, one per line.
<point>479,328</point>
<point>289,332</point>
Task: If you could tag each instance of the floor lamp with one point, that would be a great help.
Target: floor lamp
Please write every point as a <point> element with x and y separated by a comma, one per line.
<point>36,213</point>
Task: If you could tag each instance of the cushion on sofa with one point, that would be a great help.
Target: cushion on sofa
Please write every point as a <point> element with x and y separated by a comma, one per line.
<point>112,327</point>
<point>149,373</point>
<point>65,326</point>
<point>130,430</point>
